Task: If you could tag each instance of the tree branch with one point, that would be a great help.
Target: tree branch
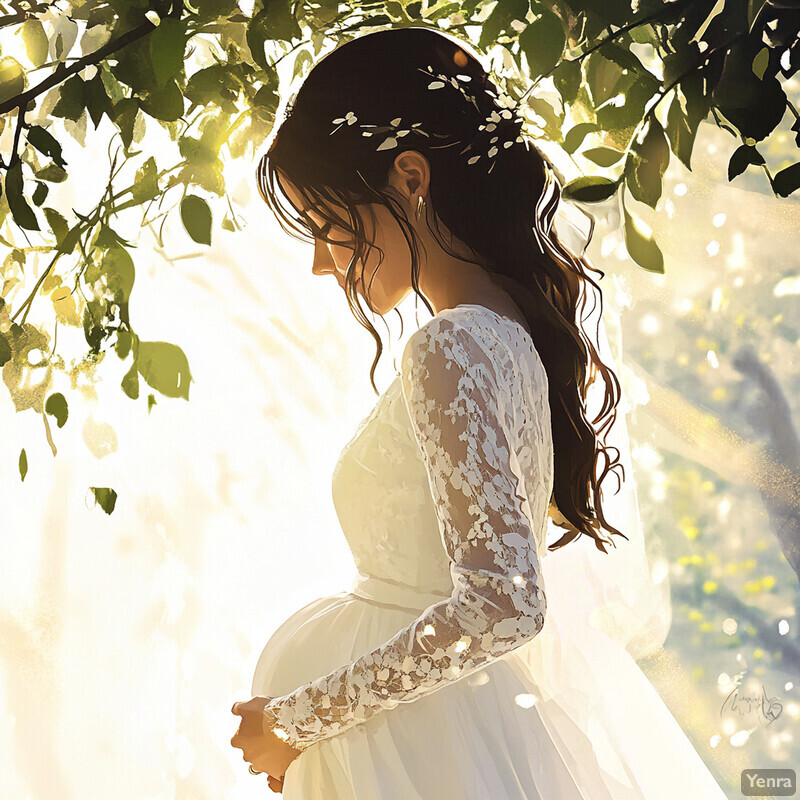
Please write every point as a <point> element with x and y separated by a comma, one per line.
<point>13,19</point>
<point>61,72</point>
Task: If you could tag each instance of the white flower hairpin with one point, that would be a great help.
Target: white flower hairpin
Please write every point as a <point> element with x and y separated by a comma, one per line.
<point>508,109</point>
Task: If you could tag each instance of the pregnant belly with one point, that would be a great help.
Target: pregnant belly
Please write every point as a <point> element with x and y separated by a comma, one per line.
<point>322,636</point>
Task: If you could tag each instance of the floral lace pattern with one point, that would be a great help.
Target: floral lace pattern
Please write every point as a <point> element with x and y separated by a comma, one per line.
<point>458,396</point>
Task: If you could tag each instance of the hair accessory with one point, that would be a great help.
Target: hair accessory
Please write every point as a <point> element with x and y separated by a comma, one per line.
<point>506,110</point>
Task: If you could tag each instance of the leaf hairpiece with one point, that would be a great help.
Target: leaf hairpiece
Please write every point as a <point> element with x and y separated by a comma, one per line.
<point>507,109</point>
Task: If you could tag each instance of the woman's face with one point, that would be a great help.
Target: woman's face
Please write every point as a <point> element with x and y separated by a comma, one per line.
<point>388,284</point>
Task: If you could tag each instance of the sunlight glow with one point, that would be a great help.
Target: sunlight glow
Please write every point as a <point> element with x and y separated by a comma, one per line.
<point>525,700</point>
<point>649,325</point>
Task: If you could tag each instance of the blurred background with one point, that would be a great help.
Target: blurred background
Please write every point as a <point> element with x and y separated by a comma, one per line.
<point>126,638</point>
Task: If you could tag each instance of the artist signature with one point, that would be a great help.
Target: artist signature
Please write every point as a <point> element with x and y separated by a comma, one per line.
<point>745,704</point>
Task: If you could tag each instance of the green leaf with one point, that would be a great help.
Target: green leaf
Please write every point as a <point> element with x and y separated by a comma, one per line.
<point>120,273</point>
<point>196,218</point>
<point>113,88</point>
<point>274,22</point>
<point>167,45</point>
<point>213,85</point>
<point>436,11</point>
<point>553,121</point>
<point>97,100</point>
<point>164,367</point>
<point>123,344</point>
<point>23,464</point>
<point>130,383</point>
<point>787,180</point>
<point>124,115</point>
<point>636,96</point>
<point>20,210</point>
<point>67,245</point>
<point>164,103</point>
<point>46,144</point>
<point>370,21</point>
<point>204,166</point>
<point>641,246</point>
<point>602,76</point>
<point>623,57</point>
<point>742,158</point>
<point>15,256</point>
<point>56,406</point>
<point>106,498</point>
<point>499,21</point>
<point>681,132</point>
<point>267,96</point>
<point>645,171</point>
<point>590,189</point>
<point>753,10</point>
<point>12,78</point>
<point>40,193</point>
<point>107,238</point>
<point>207,176</point>
<point>644,34</point>
<point>604,13</point>
<point>303,59</point>
<point>151,401</point>
<point>212,9</point>
<point>576,134</point>
<point>35,38</point>
<point>567,79</point>
<point>543,43</point>
<point>5,350</point>
<point>93,330</point>
<point>145,187</point>
<point>57,224</point>
<point>72,100</point>
<point>603,156</point>
<point>754,107</point>
<point>133,65</point>
<point>52,173</point>
<point>760,63</point>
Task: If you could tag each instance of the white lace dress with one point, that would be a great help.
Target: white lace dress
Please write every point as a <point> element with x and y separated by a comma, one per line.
<point>452,670</point>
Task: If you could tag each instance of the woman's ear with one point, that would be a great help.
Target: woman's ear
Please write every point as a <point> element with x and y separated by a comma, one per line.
<point>410,174</point>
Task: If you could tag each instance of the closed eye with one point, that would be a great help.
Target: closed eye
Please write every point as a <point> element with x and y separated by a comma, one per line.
<point>324,232</point>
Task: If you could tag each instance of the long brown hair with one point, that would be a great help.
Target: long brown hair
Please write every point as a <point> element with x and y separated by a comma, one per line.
<point>505,216</point>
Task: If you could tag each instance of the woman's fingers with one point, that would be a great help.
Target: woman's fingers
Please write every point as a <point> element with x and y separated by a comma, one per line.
<point>275,784</point>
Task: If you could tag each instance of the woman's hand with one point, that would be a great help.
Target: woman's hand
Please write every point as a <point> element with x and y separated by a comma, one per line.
<point>260,746</point>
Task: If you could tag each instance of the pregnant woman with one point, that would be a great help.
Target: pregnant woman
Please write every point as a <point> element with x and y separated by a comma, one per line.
<point>472,660</point>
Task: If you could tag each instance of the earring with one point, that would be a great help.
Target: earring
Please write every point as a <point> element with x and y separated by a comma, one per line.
<point>420,206</point>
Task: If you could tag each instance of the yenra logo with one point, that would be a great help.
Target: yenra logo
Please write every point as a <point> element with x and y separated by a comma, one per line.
<point>768,782</point>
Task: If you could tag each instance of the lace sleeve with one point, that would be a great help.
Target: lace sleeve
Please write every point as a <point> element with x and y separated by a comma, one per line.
<point>453,397</point>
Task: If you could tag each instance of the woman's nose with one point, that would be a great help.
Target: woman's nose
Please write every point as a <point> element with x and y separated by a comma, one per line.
<point>323,263</point>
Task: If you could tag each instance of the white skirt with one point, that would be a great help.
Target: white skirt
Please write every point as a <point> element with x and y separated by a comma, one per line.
<point>567,716</point>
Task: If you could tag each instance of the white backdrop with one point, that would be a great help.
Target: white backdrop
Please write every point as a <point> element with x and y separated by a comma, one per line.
<point>126,638</point>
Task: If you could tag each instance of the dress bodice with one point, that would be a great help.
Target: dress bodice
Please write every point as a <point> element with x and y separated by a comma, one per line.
<point>380,486</point>
<point>442,493</point>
